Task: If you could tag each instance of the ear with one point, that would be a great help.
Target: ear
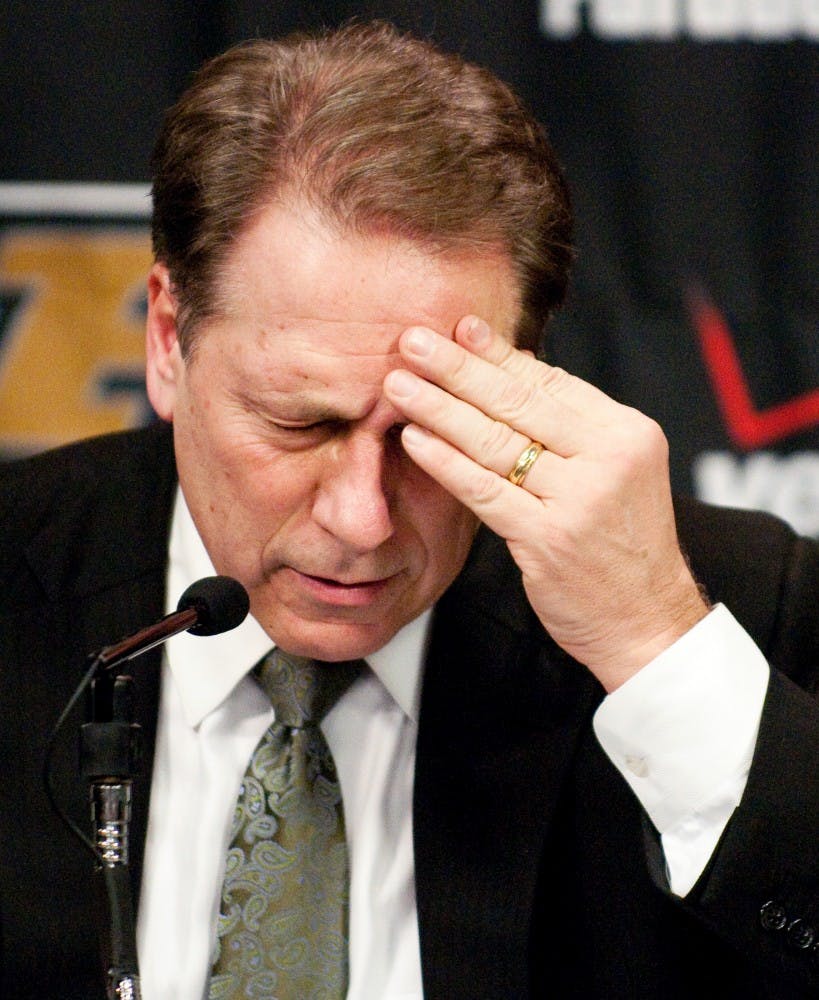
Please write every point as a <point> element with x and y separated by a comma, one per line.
<point>164,365</point>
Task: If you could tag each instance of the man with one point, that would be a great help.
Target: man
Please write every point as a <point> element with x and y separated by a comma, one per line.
<point>358,242</point>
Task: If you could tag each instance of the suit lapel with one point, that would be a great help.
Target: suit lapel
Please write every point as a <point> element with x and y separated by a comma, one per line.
<point>501,711</point>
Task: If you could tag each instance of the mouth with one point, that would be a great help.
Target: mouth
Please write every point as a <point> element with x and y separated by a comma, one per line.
<point>352,594</point>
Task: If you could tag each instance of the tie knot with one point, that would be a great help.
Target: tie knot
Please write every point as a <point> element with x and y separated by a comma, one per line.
<point>302,691</point>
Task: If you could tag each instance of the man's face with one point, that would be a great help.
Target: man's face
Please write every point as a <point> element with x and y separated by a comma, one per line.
<point>289,455</point>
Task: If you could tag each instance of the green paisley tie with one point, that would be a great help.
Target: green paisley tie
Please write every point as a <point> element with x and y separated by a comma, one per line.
<point>282,930</point>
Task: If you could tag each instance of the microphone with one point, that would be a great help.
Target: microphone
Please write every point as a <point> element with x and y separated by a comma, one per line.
<point>212,605</point>
<point>110,753</point>
<point>221,603</point>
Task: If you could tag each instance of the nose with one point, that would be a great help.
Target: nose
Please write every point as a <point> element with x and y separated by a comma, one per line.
<point>352,500</point>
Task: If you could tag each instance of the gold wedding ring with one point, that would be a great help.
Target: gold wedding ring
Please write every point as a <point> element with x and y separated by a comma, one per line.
<point>527,459</point>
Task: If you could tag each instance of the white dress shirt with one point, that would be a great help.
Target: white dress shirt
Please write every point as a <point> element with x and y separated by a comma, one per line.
<point>681,732</point>
<point>211,717</point>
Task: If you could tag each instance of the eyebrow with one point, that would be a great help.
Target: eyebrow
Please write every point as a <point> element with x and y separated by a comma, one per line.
<point>303,408</point>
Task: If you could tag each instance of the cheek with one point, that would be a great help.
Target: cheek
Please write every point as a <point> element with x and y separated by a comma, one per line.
<point>228,462</point>
<point>459,533</point>
<point>256,486</point>
<point>446,527</point>
<point>230,485</point>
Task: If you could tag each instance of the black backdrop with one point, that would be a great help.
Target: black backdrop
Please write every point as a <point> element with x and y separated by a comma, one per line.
<point>688,129</point>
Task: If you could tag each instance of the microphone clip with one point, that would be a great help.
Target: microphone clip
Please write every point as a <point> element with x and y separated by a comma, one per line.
<point>110,741</point>
<point>111,753</point>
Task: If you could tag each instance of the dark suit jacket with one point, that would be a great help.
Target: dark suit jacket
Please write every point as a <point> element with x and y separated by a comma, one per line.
<point>537,873</point>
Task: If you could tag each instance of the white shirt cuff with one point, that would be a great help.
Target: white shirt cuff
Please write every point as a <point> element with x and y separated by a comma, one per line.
<point>682,733</point>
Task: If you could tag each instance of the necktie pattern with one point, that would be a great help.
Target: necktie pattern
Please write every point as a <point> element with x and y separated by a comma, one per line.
<point>282,930</point>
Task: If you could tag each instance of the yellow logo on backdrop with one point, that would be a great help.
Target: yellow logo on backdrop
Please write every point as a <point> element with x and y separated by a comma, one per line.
<point>72,344</point>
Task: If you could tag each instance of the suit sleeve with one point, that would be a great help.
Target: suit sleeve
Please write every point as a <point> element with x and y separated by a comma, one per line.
<point>761,888</point>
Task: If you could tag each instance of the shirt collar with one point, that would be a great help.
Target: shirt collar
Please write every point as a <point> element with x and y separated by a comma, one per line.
<point>206,670</point>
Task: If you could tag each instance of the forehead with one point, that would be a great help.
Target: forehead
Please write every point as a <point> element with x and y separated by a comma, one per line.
<point>290,270</point>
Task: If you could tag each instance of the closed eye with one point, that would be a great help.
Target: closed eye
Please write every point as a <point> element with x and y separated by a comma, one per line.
<point>329,426</point>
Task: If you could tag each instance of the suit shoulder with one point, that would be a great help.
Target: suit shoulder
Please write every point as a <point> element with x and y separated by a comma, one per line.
<point>27,482</point>
<point>714,536</point>
<point>63,496</point>
<point>103,448</point>
<point>766,574</point>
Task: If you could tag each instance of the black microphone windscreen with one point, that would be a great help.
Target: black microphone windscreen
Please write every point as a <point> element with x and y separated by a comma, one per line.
<point>220,602</point>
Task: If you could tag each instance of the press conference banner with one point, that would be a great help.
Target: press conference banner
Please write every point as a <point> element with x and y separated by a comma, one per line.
<point>72,312</point>
<point>689,132</point>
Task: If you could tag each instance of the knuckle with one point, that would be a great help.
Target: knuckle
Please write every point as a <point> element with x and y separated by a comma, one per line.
<point>650,441</point>
<point>484,487</point>
<point>460,366</point>
<point>639,442</point>
<point>553,380</point>
<point>516,398</point>
<point>656,439</point>
<point>494,438</point>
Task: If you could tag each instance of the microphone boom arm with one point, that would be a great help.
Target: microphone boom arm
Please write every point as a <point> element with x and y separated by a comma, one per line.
<point>140,642</point>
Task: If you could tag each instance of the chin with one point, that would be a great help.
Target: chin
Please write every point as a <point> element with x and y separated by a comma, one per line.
<point>333,642</point>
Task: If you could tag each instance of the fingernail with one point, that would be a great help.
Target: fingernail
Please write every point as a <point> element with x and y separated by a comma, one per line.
<point>419,342</point>
<point>478,333</point>
<point>414,436</point>
<point>402,383</point>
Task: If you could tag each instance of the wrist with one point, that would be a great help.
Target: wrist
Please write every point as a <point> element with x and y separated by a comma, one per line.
<point>650,632</point>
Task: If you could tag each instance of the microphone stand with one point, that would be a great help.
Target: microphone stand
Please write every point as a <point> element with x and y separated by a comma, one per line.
<point>110,756</point>
<point>111,752</point>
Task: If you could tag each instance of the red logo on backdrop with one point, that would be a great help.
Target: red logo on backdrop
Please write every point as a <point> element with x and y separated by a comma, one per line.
<point>747,426</point>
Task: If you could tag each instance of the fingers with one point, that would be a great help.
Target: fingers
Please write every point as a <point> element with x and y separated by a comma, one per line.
<point>493,444</point>
<point>505,509</point>
<point>509,387</point>
<point>464,434</point>
<point>591,527</point>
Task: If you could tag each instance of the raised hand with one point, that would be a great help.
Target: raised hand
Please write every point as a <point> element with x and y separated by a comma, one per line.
<point>588,518</point>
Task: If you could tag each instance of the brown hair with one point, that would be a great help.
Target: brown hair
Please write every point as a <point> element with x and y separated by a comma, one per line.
<point>381,132</point>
